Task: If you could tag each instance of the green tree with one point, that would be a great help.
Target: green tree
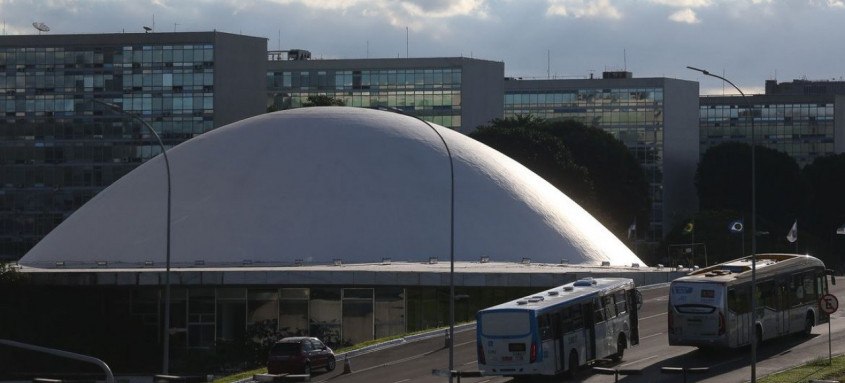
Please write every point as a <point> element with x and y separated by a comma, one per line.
<point>598,171</point>
<point>723,181</point>
<point>544,155</point>
<point>9,275</point>
<point>824,210</point>
<point>322,100</point>
<point>621,188</point>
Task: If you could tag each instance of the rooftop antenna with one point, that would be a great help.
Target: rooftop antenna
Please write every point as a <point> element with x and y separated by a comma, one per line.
<point>368,48</point>
<point>548,63</point>
<point>154,21</point>
<point>625,59</point>
<point>41,27</point>
<point>174,26</point>
<point>407,55</point>
<point>280,39</point>
<point>147,29</point>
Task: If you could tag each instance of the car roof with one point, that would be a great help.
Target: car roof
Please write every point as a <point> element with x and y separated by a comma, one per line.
<point>296,339</point>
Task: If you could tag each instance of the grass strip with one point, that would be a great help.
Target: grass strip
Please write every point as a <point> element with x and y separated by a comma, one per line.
<point>818,369</point>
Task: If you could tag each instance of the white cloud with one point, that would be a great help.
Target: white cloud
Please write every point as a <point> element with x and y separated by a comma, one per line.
<point>583,8</point>
<point>685,16</point>
<point>684,3</point>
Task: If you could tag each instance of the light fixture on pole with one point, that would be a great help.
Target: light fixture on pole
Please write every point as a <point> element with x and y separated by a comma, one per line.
<point>166,333</point>
<point>750,112</point>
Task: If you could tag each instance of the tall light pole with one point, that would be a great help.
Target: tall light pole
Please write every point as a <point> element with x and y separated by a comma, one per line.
<point>750,110</point>
<point>451,237</point>
<point>451,252</point>
<point>165,363</point>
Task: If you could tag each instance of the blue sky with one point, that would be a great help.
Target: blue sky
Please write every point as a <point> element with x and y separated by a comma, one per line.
<point>748,41</point>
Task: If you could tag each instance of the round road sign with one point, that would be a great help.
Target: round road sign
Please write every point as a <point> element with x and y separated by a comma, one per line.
<point>828,303</point>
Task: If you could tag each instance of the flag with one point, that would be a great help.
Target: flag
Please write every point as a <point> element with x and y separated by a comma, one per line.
<point>792,236</point>
<point>689,228</point>
<point>736,226</point>
<point>632,229</point>
<point>840,229</point>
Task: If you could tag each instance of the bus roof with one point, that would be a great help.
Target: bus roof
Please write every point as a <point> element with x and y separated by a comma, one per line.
<point>580,289</point>
<point>740,269</point>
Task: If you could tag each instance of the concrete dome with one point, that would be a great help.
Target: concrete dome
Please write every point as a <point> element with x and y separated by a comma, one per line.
<point>318,184</point>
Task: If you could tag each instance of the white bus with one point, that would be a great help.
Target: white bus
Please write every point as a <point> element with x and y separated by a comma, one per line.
<point>560,329</point>
<point>711,307</point>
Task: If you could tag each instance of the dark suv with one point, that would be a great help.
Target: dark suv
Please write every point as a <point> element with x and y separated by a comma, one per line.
<point>299,355</point>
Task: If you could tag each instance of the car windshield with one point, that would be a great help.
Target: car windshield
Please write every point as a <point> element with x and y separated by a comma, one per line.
<point>281,349</point>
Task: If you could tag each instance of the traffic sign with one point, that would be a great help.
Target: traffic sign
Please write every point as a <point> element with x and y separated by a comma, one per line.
<point>828,303</point>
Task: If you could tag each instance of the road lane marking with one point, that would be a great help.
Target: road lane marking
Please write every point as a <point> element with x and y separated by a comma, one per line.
<point>403,380</point>
<point>638,360</point>
<point>652,316</point>
<point>649,336</point>
<point>473,362</point>
<point>464,344</point>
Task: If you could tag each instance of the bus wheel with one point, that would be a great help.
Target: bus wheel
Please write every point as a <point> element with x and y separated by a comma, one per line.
<point>573,364</point>
<point>808,325</point>
<point>620,348</point>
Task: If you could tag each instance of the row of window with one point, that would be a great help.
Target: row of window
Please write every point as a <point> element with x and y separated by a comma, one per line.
<point>574,97</point>
<point>147,54</point>
<point>781,294</point>
<point>366,79</point>
<point>146,103</point>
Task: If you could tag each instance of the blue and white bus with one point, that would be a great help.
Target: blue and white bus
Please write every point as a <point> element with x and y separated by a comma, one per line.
<point>560,329</point>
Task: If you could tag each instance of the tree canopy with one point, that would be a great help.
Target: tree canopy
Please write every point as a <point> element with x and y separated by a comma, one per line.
<point>322,100</point>
<point>543,154</point>
<point>723,181</point>
<point>589,165</point>
<point>621,188</point>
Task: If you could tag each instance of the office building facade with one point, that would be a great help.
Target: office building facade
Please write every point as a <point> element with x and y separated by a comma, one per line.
<point>455,92</point>
<point>653,117</point>
<point>803,119</point>
<point>58,148</point>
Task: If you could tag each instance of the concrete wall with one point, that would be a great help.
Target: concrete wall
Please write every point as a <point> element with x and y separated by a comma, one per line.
<point>240,77</point>
<point>680,151</point>
<point>306,278</point>
<point>482,93</point>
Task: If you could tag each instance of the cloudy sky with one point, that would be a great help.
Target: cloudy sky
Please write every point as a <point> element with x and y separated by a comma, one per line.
<point>748,41</point>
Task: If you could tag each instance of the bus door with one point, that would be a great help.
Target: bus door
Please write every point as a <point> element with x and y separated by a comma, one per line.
<point>783,306</point>
<point>634,299</point>
<point>739,315</point>
<point>557,346</point>
<point>588,312</point>
<point>547,326</point>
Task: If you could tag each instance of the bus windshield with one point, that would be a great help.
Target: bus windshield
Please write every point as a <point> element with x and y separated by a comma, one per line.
<point>505,323</point>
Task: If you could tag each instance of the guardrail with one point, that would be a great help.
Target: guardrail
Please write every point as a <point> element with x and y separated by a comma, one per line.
<point>63,354</point>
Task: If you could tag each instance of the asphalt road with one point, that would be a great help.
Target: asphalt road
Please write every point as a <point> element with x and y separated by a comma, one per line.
<point>414,362</point>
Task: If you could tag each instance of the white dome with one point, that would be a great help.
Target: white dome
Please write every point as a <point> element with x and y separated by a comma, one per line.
<point>318,184</point>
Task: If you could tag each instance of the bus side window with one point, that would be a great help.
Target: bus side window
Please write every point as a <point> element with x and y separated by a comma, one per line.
<point>621,302</point>
<point>739,300</point>
<point>609,306</point>
<point>766,294</point>
<point>797,287</point>
<point>821,283</point>
<point>598,311</point>
<point>810,294</point>
<point>543,325</point>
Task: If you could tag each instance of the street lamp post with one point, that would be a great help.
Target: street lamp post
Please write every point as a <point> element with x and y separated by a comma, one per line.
<point>166,333</point>
<point>753,329</point>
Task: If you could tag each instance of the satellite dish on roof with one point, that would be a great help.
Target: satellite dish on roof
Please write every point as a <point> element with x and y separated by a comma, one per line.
<point>147,29</point>
<point>41,27</point>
